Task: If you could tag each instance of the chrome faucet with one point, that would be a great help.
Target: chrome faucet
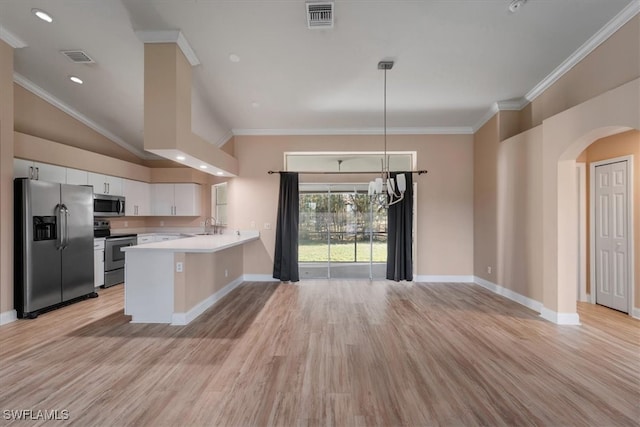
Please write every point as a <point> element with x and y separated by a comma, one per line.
<point>212,222</point>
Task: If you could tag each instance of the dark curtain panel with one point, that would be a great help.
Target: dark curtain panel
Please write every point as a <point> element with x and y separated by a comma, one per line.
<point>285,262</point>
<point>400,228</point>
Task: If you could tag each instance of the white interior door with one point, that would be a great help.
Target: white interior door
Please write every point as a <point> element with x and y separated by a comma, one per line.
<point>612,236</point>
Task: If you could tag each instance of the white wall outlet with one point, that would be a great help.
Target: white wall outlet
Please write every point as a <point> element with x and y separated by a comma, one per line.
<point>267,226</point>
<point>226,273</point>
<point>179,267</point>
<point>161,223</point>
<point>126,223</point>
<point>489,269</point>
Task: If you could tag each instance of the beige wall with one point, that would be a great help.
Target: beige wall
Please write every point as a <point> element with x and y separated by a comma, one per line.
<point>35,116</point>
<point>623,144</point>
<point>507,207</point>
<point>485,176</point>
<point>6,177</point>
<point>445,194</point>
<point>204,275</point>
<point>167,112</point>
<point>615,62</point>
<point>519,209</point>
<point>46,151</point>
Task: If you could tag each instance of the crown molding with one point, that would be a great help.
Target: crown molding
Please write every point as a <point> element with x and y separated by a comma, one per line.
<point>11,39</point>
<point>631,10</point>
<point>38,91</point>
<point>225,138</point>
<point>512,104</point>
<point>492,111</point>
<point>453,130</point>
<point>170,36</point>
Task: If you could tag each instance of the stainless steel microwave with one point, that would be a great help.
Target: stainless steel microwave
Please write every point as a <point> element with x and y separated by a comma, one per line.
<point>105,205</point>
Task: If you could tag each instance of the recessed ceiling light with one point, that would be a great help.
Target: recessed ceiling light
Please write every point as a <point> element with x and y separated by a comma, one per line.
<point>42,15</point>
<point>255,104</point>
<point>203,166</point>
<point>180,157</point>
<point>76,79</point>
<point>234,58</point>
<point>219,173</point>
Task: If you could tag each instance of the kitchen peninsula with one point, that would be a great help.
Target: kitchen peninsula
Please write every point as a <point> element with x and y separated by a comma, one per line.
<point>177,280</point>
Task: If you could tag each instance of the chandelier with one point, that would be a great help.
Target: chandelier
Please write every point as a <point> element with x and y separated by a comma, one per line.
<point>392,189</point>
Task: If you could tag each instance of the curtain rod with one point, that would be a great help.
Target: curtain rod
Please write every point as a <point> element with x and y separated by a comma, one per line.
<point>420,172</point>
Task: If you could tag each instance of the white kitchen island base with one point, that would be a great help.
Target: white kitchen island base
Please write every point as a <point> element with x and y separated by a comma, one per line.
<point>175,281</point>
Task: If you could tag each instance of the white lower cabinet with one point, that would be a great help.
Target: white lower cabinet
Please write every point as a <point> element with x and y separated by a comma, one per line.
<point>175,199</point>
<point>98,262</point>
<point>166,237</point>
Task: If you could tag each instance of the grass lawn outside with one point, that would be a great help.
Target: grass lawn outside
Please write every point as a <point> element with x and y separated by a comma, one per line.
<point>341,252</point>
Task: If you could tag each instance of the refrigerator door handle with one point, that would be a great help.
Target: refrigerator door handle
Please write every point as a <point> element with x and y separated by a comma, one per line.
<point>60,230</point>
<point>65,241</point>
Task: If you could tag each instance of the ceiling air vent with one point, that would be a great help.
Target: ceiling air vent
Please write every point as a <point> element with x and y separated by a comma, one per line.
<point>77,56</point>
<point>320,15</point>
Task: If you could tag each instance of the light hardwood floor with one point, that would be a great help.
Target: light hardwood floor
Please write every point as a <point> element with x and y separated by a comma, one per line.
<point>347,353</point>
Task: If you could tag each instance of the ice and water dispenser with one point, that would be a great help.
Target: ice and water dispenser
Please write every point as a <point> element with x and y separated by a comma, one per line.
<point>44,228</point>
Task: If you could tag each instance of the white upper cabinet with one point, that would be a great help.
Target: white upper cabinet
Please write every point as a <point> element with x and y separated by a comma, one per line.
<point>187,200</point>
<point>23,168</point>
<point>137,197</point>
<point>39,171</point>
<point>162,199</point>
<point>105,184</point>
<point>77,177</point>
<point>175,199</point>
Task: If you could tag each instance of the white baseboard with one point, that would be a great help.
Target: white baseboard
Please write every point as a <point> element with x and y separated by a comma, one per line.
<point>508,293</point>
<point>560,318</point>
<point>8,317</point>
<point>635,312</point>
<point>443,279</point>
<point>178,319</point>
<point>259,278</point>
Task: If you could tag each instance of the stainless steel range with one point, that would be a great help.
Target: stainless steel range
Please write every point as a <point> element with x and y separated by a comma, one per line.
<point>113,256</point>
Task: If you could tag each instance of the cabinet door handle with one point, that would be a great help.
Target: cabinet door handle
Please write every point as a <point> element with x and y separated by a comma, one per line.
<point>108,188</point>
<point>37,173</point>
<point>31,172</point>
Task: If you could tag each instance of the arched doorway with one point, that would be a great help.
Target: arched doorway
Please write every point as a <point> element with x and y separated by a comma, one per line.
<point>565,136</point>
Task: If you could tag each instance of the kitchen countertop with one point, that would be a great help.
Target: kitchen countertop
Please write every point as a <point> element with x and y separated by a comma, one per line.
<point>203,243</point>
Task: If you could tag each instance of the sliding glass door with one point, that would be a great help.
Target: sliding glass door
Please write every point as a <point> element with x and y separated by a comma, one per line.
<point>342,234</point>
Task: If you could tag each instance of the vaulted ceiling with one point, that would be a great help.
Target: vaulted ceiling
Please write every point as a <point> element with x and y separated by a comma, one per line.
<point>453,60</point>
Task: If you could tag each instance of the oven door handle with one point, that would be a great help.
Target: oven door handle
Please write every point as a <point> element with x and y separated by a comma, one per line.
<point>119,239</point>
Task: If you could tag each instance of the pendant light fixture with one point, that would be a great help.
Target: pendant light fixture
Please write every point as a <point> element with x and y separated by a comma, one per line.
<point>393,189</point>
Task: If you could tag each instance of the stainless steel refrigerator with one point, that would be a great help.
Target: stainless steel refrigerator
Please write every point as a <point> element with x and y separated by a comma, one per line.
<point>53,245</point>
